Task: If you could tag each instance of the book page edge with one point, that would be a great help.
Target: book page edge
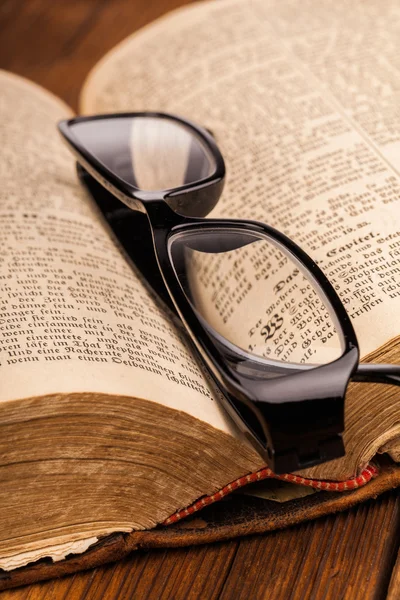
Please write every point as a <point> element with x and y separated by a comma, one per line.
<point>37,89</point>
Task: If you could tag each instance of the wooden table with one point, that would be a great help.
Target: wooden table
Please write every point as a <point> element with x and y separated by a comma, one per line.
<point>352,555</point>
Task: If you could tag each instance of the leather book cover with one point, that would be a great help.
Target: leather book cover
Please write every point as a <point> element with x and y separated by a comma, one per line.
<point>232,516</point>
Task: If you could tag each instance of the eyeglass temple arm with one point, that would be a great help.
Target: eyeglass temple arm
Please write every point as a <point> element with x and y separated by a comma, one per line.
<point>133,232</point>
<point>389,374</point>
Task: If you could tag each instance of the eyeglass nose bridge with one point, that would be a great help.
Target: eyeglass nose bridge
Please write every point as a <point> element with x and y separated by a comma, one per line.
<point>196,201</point>
<point>192,201</point>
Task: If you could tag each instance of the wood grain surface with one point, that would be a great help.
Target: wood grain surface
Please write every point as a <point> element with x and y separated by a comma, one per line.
<point>351,556</point>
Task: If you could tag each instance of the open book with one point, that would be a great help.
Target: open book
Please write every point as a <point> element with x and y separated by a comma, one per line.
<point>108,423</point>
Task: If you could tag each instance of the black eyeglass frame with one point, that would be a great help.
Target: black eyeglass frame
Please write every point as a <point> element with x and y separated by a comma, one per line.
<point>294,421</point>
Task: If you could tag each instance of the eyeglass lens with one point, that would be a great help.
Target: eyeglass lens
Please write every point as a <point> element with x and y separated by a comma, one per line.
<point>256,295</point>
<point>149,152</point>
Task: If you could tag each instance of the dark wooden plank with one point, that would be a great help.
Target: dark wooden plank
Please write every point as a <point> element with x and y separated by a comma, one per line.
<point>345,556</point>
<point>394,585</point>
<point>9,10</point>
<point>180,574</point>
<point>38,34</point>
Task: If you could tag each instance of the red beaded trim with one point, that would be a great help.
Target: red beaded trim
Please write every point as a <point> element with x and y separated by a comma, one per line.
<point>329,486</point>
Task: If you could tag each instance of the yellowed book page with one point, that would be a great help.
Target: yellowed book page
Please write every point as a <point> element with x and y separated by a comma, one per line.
<point>57,552</point>
<point>73,316</point>
<point>304,112</point>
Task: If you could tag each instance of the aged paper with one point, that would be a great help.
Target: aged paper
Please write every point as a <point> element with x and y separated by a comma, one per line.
<point>73,316</point>
<point>306,116</point>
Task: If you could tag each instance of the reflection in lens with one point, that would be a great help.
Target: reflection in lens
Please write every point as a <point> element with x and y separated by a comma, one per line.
<point>149,152</point>
<point>255,294</point>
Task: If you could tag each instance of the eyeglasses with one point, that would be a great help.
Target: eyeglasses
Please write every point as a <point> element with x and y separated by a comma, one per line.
<point>263,317</point>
